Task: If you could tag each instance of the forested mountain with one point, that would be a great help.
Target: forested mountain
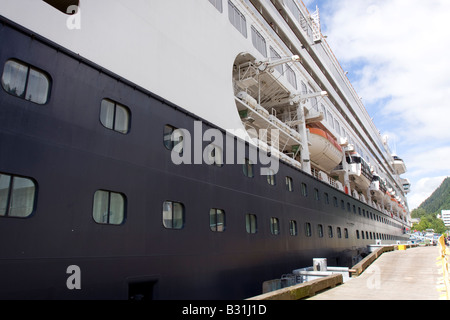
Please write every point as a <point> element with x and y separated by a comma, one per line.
<point>438,201</point>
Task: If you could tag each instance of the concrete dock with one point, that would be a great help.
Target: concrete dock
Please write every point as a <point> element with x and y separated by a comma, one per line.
<point>412,274</point>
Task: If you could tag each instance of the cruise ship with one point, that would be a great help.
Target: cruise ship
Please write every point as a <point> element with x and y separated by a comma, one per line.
<point>187,149</point>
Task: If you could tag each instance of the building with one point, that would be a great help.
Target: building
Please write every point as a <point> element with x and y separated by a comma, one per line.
<point>445,216</point>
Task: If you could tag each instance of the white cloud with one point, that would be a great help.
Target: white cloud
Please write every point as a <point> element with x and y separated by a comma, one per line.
<point>428,161</point>
<point>402,49</point>
<point>397,54</point>
<point>424,189</point>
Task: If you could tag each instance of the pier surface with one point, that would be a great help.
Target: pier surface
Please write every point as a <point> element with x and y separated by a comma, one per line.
<point>413,274</point>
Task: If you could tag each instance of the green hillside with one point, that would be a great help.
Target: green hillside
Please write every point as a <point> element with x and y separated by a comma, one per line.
<point>438,201</point>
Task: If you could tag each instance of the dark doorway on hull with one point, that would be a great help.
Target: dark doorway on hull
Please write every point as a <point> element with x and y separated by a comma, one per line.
<point>142,290</point>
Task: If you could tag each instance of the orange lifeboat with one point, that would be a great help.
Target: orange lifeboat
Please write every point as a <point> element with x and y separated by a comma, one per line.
<point>324,149</point>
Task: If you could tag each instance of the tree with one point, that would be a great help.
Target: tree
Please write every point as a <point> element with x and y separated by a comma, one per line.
<point>430,221</point>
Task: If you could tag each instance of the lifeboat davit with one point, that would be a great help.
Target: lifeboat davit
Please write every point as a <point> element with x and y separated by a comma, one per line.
<point>324,149</point>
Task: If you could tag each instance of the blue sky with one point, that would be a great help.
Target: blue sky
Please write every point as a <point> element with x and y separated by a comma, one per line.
<point>397,54</point>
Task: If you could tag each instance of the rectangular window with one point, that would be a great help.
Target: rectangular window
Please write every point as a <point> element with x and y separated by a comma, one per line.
<point>173,215</point>
<point>217,4</point>
<point>304,189</point>
<point>115,116</point>
<point>275,226</point>
<point>173,139</point>
<point>308,230</point>
<point>330,232</point>
<point>316,194</point>
<point>290,74</point>
<point>326,198</point>
<point>237,19</point>
<point>109,207</point>
<point>251,223</point>
<point>259,42</point>
<point>275,56</point>
<point>293,229</point>
<point>17,196</point>
<point>324,111</point>
<point>248,168</point>
<point>304,87</point>
<point>339,232</point>
<point>26,82</point>
<point>271,178</point>
<point>320,230</point>
<point>217,220</point>
<point>346,233</point>
<point>289,184</point>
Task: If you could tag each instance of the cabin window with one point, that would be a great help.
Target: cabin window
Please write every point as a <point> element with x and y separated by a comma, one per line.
<point>173,139</point>
<point>324,111</point>
<point>289,184</point>
<point>237,19</point>
<point>259,42</point>
<point>217,4</point>
<point>335,202</point>
<point>290,75</point>
<point>17,196</point>
<point>275,226</point>
<point>357,234</point>
<point>248,168</point>
<point>320,230</point>
<point>326,198</point>
<point>217,220</point>
<point>304,189</point>
<point>115,116</point>
<point>346,233</point>
<point>308,230</point>
<point>271,178</point>
<point>316,194</point>
<point>26,82</point>
<point>293,229</point>
<point>275,56</point>
<point>109,207</point>
<point>173,215</point>
<point>339,232</point>
<point>215,155</point>
<point>330,232</point>
<point>304,87</point>
<point>65,6</point>
<point>251,223</point>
